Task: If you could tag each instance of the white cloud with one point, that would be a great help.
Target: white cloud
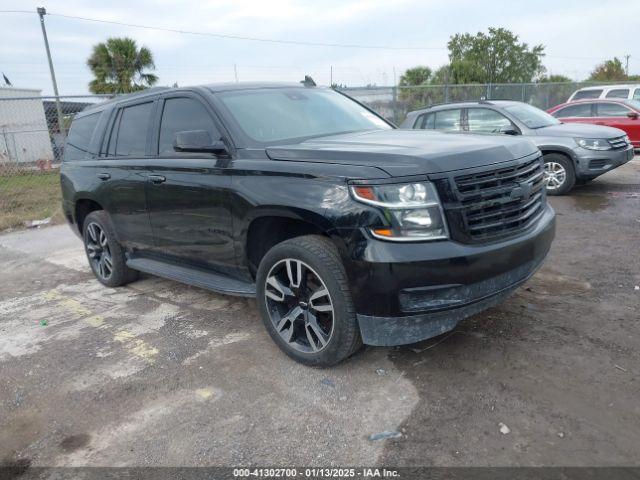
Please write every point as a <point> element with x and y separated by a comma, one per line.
<point>587,28</point>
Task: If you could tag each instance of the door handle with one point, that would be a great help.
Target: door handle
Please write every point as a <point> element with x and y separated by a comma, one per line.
<point>104,176</point>
<point>156,179</point>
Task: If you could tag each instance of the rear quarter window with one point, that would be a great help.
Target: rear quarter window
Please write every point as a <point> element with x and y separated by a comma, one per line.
<point>79,139</point>
<point>582,94</point>
<point>425,121</point>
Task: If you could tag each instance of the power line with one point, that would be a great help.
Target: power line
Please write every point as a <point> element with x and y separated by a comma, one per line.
<point>268,40</point>
<point>229,36</point>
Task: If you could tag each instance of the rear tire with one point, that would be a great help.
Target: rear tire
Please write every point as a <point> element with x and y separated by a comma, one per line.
<point>559,174</point>
<point>305,301</point>
<point>105,254</point>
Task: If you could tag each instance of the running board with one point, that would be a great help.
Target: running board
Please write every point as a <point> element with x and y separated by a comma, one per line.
<point>193,276</point>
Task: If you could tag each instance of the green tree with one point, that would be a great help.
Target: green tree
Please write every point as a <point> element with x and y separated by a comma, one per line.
<point>415,76</point>
<point>609,71</point>
<point>441,75</point>
<point>555,78</point>
<point>119,66</point>
<point>493,57</point>
<point>414,91</point>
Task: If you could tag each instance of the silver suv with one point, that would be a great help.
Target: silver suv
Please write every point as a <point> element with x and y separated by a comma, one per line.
<point>573,153</point>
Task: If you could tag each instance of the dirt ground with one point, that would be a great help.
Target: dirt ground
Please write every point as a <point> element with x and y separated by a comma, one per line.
<point>159,373</point>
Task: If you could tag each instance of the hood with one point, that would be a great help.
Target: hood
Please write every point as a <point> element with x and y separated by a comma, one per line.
<point>583,130</point>
<point>407,152</point>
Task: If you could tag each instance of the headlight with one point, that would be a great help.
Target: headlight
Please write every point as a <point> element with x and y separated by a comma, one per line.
<point>593,143</point>
<point>412,210</point>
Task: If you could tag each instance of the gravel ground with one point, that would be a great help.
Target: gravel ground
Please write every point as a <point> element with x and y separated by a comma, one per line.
<point>159,373</point>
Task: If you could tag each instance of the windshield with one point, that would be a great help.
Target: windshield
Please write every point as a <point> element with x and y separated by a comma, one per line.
<point>532,117</point>
<point>276,115</point>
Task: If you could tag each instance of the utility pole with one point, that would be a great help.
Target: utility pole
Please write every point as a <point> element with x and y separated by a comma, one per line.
<point>235,71</point>
<point>626,68</point>
<point>331,76</point>
<point>41,13</point>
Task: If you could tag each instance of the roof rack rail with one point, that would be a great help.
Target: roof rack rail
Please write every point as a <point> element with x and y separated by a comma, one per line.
<point>486,102</point>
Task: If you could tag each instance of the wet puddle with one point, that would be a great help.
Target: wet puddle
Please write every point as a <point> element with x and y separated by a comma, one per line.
<point>591,203</point>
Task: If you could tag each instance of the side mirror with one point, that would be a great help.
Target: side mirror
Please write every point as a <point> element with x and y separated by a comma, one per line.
<point>198,141</point>
<point>509,131</point>
<point>633,115</point>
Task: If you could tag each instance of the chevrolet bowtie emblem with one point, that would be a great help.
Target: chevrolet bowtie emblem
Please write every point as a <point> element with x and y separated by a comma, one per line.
<point>522,191</point>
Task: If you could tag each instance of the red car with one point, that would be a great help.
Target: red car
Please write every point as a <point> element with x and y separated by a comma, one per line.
<point>622,114</point>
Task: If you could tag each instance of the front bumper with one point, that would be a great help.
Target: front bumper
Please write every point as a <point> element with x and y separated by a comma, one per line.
<point>593,163</point>
<point>405,293</point>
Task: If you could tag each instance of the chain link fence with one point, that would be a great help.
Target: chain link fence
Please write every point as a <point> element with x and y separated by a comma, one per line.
<point>32,135</point>
<point>395,102</point>
<point>33,130</point>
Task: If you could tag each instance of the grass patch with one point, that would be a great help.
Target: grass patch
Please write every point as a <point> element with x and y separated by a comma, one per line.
<point>30,196</point>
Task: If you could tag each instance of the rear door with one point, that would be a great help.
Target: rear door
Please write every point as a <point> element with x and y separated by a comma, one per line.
<point>122,173</point>
<point>187,193</point>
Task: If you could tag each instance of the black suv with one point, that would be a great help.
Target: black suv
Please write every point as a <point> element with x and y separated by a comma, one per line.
<point>347,230</point>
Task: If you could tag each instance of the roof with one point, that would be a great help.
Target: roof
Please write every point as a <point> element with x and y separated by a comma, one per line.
<point>625,101</point>
<point>128,96</point>
<point>467,103</point>
<point>600,87</point>
<point>18,92</point>
<point>214,87</point>
<point>225,87</point>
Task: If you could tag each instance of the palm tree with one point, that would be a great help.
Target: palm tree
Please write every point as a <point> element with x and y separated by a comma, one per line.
<point>120,67</point>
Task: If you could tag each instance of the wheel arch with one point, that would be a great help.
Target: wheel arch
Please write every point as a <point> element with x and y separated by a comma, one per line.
<point>268,226</point>
<point>560,151</point>
<point>83,206</point>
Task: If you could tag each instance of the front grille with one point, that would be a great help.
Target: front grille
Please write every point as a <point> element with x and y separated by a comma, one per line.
<point>618,143</point>
<point>497,202</point>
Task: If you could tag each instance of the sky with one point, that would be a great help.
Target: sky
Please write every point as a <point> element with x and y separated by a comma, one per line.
<point>577,34</point>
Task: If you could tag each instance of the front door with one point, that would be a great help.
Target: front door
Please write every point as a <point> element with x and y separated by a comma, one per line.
<point>187,193</point>
<point>617,115</point>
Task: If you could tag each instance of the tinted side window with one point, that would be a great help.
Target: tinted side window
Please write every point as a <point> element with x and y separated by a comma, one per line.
<point>425,121</point>
<point>618,93</point>
<point>183,114</point>
<point>611,110</point>
<point>581,110</point>
<point>587,94</point>
<point>636,94</point>
<point>448,120</point>
<point>484,120</point>
<point>79,137</point>
<point>429,121</point>
<point>132,130</point>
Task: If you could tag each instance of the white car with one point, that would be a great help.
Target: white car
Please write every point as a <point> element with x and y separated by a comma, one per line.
<point>629,92</point>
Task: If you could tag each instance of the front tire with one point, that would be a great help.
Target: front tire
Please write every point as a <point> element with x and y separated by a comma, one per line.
<point>559,174</point>
<point>305,301</point>
<point>105,254</point>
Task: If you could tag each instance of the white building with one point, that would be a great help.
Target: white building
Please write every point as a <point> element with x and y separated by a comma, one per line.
<point>24,136</point>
